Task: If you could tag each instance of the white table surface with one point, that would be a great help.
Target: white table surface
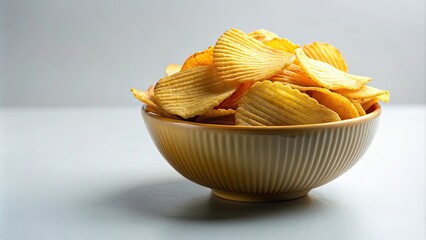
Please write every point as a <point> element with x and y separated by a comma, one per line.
<point>94,173</point>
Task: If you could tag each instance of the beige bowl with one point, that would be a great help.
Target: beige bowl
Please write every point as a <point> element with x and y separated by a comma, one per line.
<point>262,164</point>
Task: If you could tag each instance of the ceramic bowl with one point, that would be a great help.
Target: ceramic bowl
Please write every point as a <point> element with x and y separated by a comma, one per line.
<point>262,164</point>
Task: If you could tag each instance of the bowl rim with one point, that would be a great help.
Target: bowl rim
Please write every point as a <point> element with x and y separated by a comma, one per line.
<point>374,113</point>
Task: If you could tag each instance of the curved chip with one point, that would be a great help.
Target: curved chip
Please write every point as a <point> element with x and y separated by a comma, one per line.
<point>214,113</point>
<point>336,102</point>
<point>294,74</point>
<point>263,35</point>
<point>282,44</point>
<point>148,98</point>
<point>326,53</point>
<point>241,58</point>
<point>328,76</point>
<point>232,101</point>
<point>172,69</point>
<point>366,92</point>
<point>192,92</point>
<point>275,104</point>
<point>202,58</point>
<point>358,107</point>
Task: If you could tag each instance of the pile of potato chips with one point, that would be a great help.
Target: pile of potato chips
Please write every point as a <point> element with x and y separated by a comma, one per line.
<point>260,79</point>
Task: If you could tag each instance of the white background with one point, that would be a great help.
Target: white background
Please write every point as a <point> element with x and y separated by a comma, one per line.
<point>85,53</point>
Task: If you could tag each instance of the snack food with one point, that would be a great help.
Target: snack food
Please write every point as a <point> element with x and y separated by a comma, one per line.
<point>261,79</point>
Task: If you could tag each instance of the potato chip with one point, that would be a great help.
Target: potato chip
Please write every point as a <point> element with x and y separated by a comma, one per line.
<point>214,113</point>
<point>263,35</point>
<point>240,58</point>
<point>151,105</point>
<point>282,44</point>
<point>294,74</point>
<point>335,102</point>
<point>367,103</point>
<point>328,76</point>
<point>365,92</point>
<point>275,104</point>
<point>192,92</point>
<point>172,69</point>
<point>202,58</point>
<point>358,107</point>
<point>231,102</point>
<point>326,53</point>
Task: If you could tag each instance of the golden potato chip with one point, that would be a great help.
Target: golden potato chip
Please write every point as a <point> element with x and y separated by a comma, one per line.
<point>358,107</point>
<point>172,69</point>
<point>335,102</point>
<point>294,74</point>
<point>326,53</point>
<point>367,103</point>
<point>263,35</point>
<point>240,58</point>
<point>282,44</point>
<point>192,91</point>
<point>150,91</point>
<point>275,104</point>
<point>214,113</point>
<point>232,101</point>
<point>202,58</point>
<point>151,106</point>
<point>365,92</point>
<point>328,76</point>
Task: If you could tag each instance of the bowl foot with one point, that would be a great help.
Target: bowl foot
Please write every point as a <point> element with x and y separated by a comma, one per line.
<point>248,197</point>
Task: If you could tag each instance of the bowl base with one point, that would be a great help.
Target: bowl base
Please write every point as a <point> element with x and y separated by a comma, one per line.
<point>248,197</point>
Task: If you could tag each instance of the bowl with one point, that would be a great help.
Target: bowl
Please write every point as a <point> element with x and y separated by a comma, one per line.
<point>262,164</point>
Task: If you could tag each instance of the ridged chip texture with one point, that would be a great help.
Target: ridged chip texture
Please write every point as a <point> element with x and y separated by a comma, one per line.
<point>241,58</point>
<point>328,76</point>
<point>294,74</point>
<point>192,92</point>
<point>327,53</point>
<point>275,104</point>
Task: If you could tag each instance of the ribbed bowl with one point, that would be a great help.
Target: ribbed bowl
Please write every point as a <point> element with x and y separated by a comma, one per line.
<point>262,164</point>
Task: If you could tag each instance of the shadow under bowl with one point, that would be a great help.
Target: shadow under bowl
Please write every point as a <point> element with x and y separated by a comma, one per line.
<point>262,164</point>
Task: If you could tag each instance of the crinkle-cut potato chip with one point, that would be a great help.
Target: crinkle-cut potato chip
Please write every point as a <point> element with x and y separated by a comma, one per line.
<point>335,102</point>
<point>282,44</point>
<point>214,113</point>
<point>326,53</point>
<point>263,35</point>
<point>240,58</point>
<point>368,102</point>
<point>202,58</point>
<point>328,76</point>
<point>172,69</point>
<point>151,105</point>
<point>232,101</point>
<point>365,92</point>
<point>260,79</point>
<point>358,107</point>
<point>275,104</point>
<point>294,74</point>
<point>192,92</point>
